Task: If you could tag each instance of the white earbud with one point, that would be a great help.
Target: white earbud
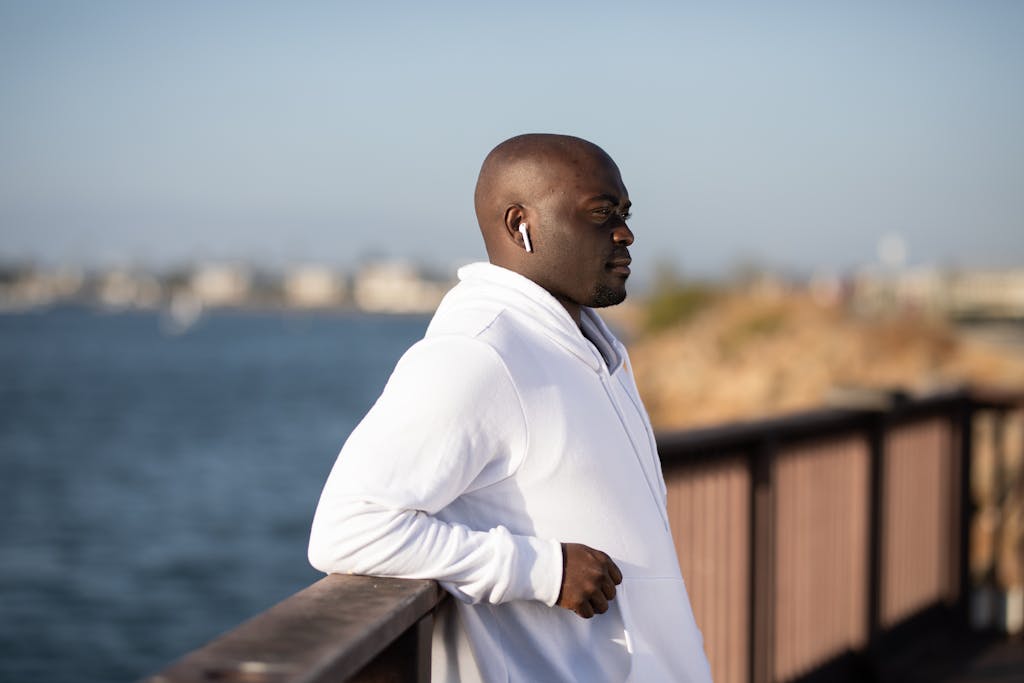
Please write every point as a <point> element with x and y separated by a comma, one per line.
<point>526,237</point>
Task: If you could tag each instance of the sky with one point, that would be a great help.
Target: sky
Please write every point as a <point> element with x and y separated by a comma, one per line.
<point>789,135</point>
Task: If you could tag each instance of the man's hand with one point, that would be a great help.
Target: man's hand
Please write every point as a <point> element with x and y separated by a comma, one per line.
<point>589,578</point>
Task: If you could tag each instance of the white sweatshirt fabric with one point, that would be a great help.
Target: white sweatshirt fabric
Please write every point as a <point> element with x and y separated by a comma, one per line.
<point>501,434</point>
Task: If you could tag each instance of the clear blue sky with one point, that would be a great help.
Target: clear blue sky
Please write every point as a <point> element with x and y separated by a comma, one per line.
<point>789,134</point>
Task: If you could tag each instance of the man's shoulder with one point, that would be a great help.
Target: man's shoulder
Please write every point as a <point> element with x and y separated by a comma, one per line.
<point>512,324</point>
<point>486,321</point>
<point>452,369</point>
<point>465,320</point>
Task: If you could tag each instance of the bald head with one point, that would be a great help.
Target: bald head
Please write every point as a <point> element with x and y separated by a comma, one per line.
<point>525,171</point>
<point>568,195</point>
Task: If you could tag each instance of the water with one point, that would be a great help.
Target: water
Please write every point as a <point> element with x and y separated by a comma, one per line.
<point>157,490</point>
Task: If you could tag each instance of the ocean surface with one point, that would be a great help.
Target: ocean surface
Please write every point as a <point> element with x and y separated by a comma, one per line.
<point>156,489</point>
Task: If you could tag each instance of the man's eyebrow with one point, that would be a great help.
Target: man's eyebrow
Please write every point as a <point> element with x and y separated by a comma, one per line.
<point>610,198</point>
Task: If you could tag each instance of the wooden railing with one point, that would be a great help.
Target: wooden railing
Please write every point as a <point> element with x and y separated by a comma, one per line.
<point>809,542</point>
<point>342,628</point>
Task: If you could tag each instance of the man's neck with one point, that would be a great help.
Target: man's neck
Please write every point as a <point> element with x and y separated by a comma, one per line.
<point>516,266</point>
<point>573,309</point>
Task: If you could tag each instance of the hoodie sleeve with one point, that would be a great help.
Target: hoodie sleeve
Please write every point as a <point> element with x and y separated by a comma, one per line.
<point>449,421</point>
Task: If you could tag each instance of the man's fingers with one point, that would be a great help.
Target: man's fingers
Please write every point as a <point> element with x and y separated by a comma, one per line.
<point>614,573</point>
<point>589,577</point>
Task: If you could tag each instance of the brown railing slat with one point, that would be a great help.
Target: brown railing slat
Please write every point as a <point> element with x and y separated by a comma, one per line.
<point>762,575</point>
<point>965,427</point>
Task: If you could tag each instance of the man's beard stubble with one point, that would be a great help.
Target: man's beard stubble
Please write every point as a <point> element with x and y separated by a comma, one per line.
<point>606,296</point>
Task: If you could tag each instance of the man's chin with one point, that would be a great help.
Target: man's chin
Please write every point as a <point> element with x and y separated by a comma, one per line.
<point>605,296</point>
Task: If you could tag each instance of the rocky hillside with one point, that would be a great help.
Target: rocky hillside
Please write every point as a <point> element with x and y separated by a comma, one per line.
<point>740,355</point>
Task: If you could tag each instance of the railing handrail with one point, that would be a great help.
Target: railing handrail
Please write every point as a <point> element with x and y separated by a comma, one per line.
<point>717,440</point>
<point>326,632</point>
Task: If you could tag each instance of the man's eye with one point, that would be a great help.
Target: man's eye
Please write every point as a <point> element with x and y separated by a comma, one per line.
<point>607,211</point>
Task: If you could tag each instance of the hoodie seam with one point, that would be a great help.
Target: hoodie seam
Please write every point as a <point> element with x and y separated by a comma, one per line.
<point>515,387</point>
<point>522,413</point>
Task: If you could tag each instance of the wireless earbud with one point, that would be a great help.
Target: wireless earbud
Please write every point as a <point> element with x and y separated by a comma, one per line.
<point>526,236</point>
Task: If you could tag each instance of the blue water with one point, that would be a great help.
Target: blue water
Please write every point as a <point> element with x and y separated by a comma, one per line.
<point>157,490</point>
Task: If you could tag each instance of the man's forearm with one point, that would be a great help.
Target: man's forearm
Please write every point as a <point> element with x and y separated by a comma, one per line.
<point>495,566</point>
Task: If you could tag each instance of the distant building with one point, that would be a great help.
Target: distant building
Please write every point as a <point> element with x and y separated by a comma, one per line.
<point>396,288</point>
<point>314,287</point>
<point>987,294</point>
<point>959,294</point>
<point>221,285</point>
<point>123,288</point>
<point>23,288</point>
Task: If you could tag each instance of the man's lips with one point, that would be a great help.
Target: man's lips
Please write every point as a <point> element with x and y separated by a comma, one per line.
<point>620,266</point>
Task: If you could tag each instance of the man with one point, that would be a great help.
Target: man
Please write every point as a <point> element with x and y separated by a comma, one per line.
<point>509,456</point>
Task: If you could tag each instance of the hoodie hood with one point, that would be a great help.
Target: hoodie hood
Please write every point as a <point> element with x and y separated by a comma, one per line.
<point>491,289</point>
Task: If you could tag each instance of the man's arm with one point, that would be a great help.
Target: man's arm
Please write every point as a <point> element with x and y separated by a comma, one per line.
<point>449,420</point>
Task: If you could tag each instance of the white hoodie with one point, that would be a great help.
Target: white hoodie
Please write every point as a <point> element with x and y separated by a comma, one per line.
<point>501,434</point>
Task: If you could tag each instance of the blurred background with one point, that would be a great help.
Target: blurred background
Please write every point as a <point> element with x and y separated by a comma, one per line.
<point>221,224</point>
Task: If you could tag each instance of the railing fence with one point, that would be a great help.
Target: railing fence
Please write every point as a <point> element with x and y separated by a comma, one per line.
<point>807,542</point>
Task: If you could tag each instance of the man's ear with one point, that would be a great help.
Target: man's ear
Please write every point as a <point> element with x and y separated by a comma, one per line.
<point>515,215</point>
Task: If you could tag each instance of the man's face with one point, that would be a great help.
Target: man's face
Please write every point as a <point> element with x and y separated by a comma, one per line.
<point>582,237</point>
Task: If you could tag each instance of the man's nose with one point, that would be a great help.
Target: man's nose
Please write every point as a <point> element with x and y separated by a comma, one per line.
<point>622,235</point>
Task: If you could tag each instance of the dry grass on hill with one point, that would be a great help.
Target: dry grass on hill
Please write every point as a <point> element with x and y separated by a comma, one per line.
<point>747,355</point>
